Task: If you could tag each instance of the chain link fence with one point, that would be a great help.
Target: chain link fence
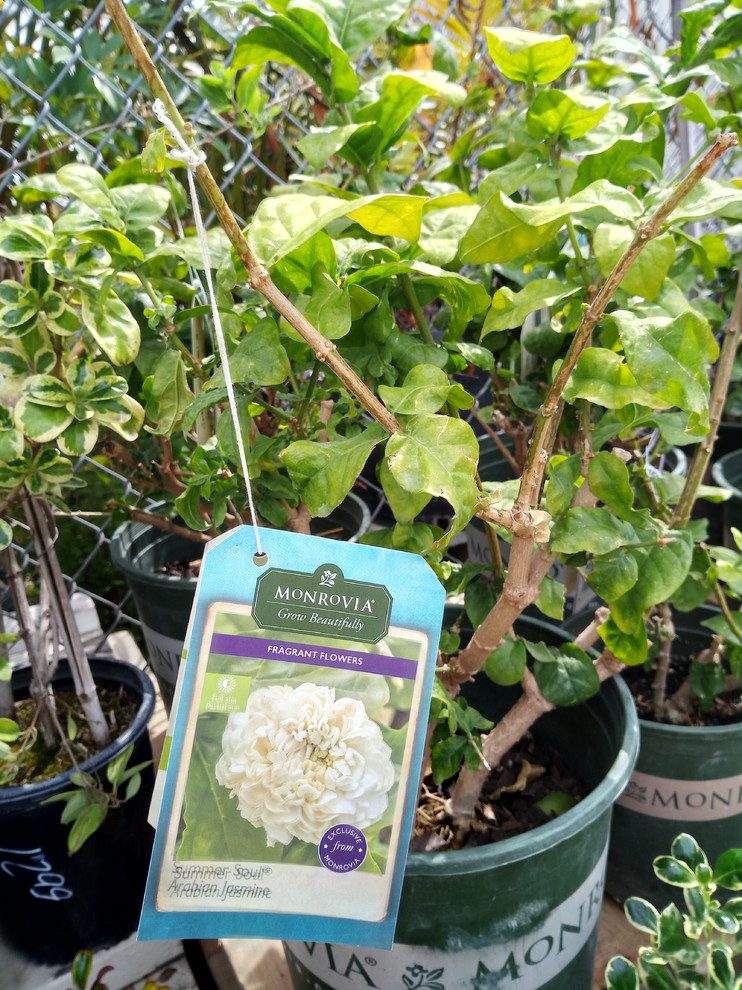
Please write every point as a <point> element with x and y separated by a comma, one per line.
<point>69,91</point>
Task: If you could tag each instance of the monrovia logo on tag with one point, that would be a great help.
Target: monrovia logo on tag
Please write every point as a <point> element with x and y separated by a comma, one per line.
<point>322,602</point>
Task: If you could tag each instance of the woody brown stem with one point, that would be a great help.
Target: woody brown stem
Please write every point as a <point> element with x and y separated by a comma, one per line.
<point>520,590</point>
<point>41,524</point>
<point>548,417</point>
<point>40,691</point>
<point>659,683</point>
<point>167,525</point>
<point>259,278</point>
<point>528,709</point>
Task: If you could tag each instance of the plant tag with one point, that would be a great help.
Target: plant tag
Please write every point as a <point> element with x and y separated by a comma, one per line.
<point>291,769</point>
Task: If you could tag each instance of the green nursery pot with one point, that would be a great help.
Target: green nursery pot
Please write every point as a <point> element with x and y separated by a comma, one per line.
<point>687,779</point>
<point>164,601</point>
<point>520,914</point>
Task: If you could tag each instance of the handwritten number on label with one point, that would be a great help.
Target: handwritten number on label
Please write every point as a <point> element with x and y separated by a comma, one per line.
<point>47,885</point>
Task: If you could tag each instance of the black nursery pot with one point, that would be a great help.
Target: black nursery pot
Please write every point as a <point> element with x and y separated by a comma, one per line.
<point>54,903</point>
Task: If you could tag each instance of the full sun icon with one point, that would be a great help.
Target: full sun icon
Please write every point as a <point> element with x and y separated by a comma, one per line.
<point>226,684</point>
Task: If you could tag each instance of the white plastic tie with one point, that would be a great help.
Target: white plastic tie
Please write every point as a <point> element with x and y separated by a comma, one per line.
<point>192,158</point>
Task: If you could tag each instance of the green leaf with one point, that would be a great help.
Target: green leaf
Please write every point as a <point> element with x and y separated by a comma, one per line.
<point>553,115</point>
<point>513,175</point>
<point>551,598</point>
<point>728,869</point>
<point>114,328</point>
<point>723,921</point>
<point>603,377</point>
<point>442,230</point>
<point>88,822</point>
<point>324,473</point>
<point>40,423</point>
<point>527,56</point>
<point>446,757</point>
<point>479,597</point>
<point>389,215</point>
<point>356,24</point>
<point>561,485</point>
<point>78,437</point>
<point>113,241</point>
<point>140,204</point>
<point>721,966</point>
<point>327,308</point>
<point>630,648</point>
<point>669,358</point>
<point>82,964</point>
<point>188,504</point>
<point>662,569</point>
<point>47,390</point>
<point>613,575</point>
<point>506,664</point>
<point>259,358</point>
<point>26,238</point>
<point>6,537</point>
<point>504,230</point>
<point>589,528</point>
<point>647,273</point>
<point>437,455</point>
<point>707,680</point>
<point>322,143</point>
<point>510,309</point>
<point>9,730</point>
<point>169,395</point>
<point>685,848</point>
<point>674,871</point>
<point>115,769</point>
<point>642,915</point>
<point>299,37</point>
<point>465,296</point>
<point>283,223</point>
<point>672,937</point>
<point>39,187</point>
<point>426,389</point>
<point>405,505</point>
<point>52,468</point>
<point>694,21</point>
<point>154,153</point>
<point>570,679</point>
<point>189,249</point>
<point>387,117</point>
<point>608,477</point>
<point>709,198</point>
<point>620,974</point>
<point>88,186</point>
<point>656,975</point>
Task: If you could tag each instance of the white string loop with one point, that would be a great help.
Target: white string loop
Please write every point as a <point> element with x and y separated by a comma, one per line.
<point>192,158</point>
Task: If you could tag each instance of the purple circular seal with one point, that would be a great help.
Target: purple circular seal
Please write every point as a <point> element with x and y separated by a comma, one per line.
<point>342,848</point>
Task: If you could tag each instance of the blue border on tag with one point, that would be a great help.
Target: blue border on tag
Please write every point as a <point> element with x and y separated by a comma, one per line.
<point>228,574</point>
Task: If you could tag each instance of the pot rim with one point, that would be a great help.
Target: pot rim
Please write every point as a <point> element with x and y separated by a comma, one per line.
<point>525,846</point>
<point>646,725</point>
<point>718,474</point>
<point>21,792</point>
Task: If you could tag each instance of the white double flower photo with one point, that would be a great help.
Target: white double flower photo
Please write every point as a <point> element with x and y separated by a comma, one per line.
<point>300,760</point>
